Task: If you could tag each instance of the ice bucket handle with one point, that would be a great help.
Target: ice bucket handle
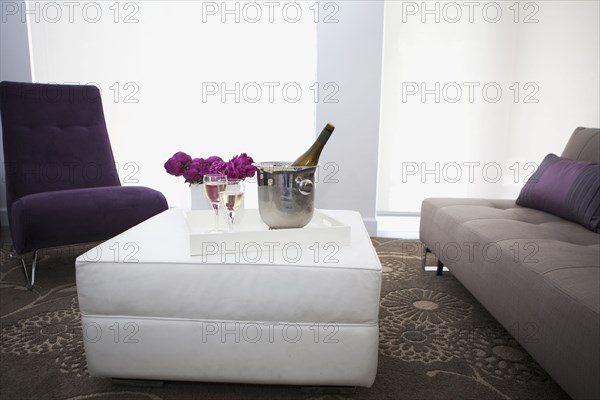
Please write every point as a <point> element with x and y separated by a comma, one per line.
<point>305,186</point>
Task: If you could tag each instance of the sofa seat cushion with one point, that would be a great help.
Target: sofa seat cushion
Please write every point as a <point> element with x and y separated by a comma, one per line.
<point>80,215</point>
<point>510,221</point>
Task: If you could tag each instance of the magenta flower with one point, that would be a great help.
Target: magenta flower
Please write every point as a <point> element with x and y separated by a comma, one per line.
<point>212,159</point>
<point>197,169</point>
<point>177,164</point>
<point>239,167</point>
<point>231,170</point>
<point>218,167</point>
<point>243,164</point>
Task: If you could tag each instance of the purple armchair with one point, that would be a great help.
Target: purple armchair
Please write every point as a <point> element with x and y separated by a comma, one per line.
<point>62,186</point>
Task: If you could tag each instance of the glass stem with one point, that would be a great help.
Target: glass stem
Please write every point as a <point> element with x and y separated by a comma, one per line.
<point>231,216</point>
<point>216,208</point>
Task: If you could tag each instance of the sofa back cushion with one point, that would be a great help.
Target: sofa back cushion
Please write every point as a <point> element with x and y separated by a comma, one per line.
<point>566,188</point>
<point>584,145</point>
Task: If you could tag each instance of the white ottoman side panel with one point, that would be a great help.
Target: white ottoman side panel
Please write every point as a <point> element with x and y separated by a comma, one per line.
<point>228,351</point>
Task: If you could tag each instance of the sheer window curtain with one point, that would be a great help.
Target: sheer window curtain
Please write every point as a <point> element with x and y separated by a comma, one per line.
<point>474,96</point>
<point>207,78</point>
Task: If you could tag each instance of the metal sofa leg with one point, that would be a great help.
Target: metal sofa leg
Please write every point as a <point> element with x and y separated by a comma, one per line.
<point>28,283</point>
<point>440,267</point>
<point>424,263</point>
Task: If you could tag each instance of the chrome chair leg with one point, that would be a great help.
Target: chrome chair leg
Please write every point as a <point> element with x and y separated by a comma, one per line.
<point>33,265</point>
<point>28,283</point>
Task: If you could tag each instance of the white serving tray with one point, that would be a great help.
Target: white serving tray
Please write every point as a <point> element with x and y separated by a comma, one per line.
<point>250,231</point>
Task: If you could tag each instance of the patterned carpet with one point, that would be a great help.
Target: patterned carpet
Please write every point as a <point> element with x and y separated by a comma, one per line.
<point>436,342</point>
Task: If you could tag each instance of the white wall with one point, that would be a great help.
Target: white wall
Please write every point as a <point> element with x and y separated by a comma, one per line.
<point>350,54</point>
<point>14,66</point>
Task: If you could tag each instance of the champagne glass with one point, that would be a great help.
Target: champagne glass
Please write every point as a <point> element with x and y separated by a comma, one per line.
<point>213,185</point>
<point>232,198</point>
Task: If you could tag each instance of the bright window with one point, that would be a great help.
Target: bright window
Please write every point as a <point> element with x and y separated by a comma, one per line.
<point>207,78</point>
<point>475,95</point>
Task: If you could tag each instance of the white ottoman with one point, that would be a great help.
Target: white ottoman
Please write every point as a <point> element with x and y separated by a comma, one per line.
<point>151,311</point>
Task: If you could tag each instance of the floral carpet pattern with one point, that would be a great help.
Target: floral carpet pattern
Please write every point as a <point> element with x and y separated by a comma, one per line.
<point>436,342</point>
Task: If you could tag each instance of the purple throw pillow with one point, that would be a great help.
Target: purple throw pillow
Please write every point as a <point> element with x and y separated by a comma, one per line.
<point>566,188</point>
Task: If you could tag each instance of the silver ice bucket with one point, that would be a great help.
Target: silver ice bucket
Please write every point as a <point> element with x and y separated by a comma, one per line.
<point>286,194</point>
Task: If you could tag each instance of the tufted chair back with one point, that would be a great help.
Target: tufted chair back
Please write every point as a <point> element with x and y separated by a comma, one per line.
<point>61,130</point>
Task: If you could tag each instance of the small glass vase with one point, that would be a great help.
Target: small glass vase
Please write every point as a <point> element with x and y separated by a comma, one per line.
<point>199,200</point>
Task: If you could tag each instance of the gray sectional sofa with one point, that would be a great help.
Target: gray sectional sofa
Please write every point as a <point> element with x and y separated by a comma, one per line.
<point>536,273</point>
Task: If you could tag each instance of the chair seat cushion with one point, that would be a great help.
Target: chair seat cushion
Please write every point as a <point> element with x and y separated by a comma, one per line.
<point>80,215</point>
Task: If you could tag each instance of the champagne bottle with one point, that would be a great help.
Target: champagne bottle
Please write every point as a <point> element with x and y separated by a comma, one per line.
<point>310,158</point>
